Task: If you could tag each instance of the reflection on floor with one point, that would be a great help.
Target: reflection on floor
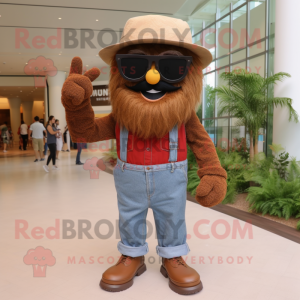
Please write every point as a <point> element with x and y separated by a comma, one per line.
<point>47,210</point>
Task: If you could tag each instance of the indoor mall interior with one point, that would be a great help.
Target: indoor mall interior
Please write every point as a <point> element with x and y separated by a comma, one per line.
<point>149,149</point>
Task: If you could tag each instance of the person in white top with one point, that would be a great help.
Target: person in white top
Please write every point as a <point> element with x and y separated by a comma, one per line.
<point>24,134</point>
<point>59,141</point>
<point>38,131</point>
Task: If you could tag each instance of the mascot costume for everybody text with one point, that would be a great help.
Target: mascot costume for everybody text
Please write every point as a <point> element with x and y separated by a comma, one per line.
<point>153,93</point>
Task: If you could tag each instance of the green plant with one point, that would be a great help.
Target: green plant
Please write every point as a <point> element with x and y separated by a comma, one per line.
<point>281,163</point>
<point>239,145</point>
<point>259,168</point>
<point>246,98</point>
<point>275,195</point>
<point>280,160</point>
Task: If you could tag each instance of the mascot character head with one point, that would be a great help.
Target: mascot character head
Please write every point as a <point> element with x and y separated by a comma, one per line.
<point>156,75</point>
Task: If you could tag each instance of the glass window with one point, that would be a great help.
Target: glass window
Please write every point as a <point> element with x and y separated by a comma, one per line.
<point>222,138</point>
<point>208,99</point>
<point>209,126</point>
<point>237,3</point>
<point>240,55</point>
<point>223,37</point>
<point>257,65</point>
<point>239,28</point>
<point>257,20</point>
<point>210,68</point>
<point>207,12</point>
<point>239,66</point>
<point>223,62</point>
<point>196,26</point>
<point>197,39</point>
<point>209,36</point>
<point>257,48</point>
<point>223,8</point>
<point>220,82</point>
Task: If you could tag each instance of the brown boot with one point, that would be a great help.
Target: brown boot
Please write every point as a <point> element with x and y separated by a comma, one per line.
<point>120,276</point>
<point>183,279</point>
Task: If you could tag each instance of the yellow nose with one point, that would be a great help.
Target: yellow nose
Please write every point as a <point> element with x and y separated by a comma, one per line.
<point>153,76</point>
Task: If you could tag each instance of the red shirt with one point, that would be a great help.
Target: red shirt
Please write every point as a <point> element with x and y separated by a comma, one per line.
<point>152,151</point>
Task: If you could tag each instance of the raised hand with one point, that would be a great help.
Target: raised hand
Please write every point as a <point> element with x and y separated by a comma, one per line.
<point>77,88</point>
<point>80,116</point>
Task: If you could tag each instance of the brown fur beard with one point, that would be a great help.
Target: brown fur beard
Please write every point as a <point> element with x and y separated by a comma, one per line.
<point>155,119</point>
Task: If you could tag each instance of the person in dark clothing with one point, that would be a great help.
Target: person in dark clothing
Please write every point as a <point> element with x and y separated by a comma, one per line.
<point>52,134</point>
<point>80,146</point>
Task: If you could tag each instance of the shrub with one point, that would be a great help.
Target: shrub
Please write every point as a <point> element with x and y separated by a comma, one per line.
<point>276,196</point>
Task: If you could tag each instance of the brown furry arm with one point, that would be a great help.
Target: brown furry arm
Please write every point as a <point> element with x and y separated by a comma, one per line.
<point>89,129</point>
<point>212,188</point>
<point>80,116</point>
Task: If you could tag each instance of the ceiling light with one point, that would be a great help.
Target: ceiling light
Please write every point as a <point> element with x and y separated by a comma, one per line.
<point>59,18</point>
<point>97,20</point>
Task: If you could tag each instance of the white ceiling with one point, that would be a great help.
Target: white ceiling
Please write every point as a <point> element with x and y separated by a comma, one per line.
<point>25,93</point>
<point>40,18</point>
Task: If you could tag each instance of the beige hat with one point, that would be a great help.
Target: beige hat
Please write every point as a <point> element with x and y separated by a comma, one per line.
<point>157,30</point>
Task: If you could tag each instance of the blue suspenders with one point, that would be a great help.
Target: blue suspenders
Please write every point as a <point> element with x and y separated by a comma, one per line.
<point>173,144</point>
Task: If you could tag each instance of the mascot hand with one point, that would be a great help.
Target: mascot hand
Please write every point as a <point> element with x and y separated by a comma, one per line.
<point>211,190</point>
<point>78,87</point>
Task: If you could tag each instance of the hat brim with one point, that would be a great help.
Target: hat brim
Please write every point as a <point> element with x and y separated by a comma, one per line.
<point>108,53</point>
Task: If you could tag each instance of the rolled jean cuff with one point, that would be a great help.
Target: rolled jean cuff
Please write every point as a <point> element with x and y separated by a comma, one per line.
<point>133,251</point>
<point>170,252</point>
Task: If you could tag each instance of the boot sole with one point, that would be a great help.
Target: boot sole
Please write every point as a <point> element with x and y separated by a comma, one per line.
<point>179,289</point>
<point>124,286</point>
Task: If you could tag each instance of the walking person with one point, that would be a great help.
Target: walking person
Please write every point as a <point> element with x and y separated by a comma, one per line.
<point>5,136</point>
<point>59,141</point>
<point>37,129</point>
<point>24,134</point>
<point>52,133</point>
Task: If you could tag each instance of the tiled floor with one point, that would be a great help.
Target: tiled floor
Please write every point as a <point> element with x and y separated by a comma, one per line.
<point>264,266</point>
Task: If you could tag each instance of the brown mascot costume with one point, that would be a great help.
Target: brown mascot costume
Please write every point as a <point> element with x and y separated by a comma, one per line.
<point>155,85</point>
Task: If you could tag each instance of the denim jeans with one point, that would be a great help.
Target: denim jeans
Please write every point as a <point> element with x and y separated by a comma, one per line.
<point>161,188</point>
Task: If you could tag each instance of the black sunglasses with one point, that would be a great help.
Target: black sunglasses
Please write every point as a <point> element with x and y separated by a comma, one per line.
<point>172,68</point>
